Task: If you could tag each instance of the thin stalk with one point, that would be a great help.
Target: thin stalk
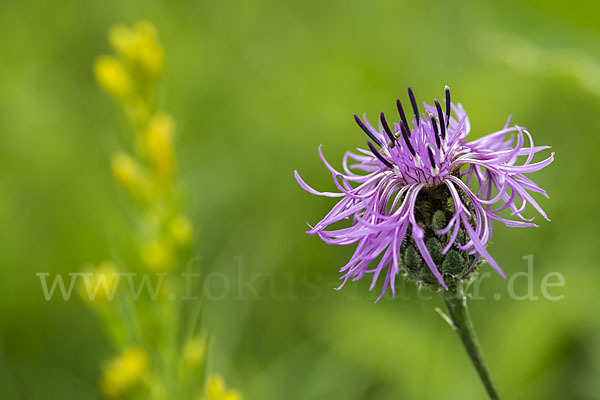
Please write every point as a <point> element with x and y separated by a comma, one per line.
<point>456,302</point>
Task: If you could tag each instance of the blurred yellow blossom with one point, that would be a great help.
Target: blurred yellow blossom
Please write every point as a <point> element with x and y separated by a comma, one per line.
<point>113,77</point>
<point>156,255</point>
<point>159,144</point>
<point>126,171</point>
<point>232,395</point>
<point>181,230</point>
<point>122,39</point>
<point>150,52</point>
<point>194,352</point>
<point>139,47</point>
<point>162,123</point>
<point>216,389</point>
<point>124,372</point>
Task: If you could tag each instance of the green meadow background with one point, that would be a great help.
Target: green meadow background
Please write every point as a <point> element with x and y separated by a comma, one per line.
<point>255,87</point>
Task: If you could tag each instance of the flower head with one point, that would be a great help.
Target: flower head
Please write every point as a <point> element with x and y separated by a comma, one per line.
<point>194,352</point>
<point>127,172</point>
<point>216,389</point>
<point>159,144</point>
<point>124,373</point>
<point>113,77</point>
<point>139,47</point>
<point>422,199</point>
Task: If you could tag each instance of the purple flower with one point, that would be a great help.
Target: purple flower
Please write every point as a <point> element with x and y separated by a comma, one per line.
<point>421,194</point>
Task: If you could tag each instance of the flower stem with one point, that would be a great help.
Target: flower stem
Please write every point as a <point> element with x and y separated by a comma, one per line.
<point>456,302</point>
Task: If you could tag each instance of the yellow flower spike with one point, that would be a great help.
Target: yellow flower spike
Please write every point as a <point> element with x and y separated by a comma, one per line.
<point>156,255</point>
<point>181,230</point>
<point>125,372</point>
<point>113,77</point>
<point>194,352</point>
<point>101,285</point>
<point>126,171</point>
<point>159,144</point>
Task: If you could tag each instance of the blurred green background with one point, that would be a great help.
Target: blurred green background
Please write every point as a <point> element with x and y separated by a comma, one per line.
<point>255,87</point>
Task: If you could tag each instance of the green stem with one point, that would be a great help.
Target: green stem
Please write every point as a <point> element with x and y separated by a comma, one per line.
<point>456,302</point>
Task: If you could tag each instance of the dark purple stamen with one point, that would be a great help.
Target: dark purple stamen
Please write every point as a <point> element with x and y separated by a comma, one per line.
<point>435,130</point>
<point>401,112</point>
<point>414,104</point>
<point>406,137</point>
<point>387,130</point>
<point>447,89</point>
<point>441,117</point>
<point>379,156</point>
<point>367,131</point>
<point>430,152</point>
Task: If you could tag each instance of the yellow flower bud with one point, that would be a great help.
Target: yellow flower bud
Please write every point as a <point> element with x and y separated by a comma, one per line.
<point>216,390</point>
<point>181,230</point>
<point>139,48</point>
<point>194,352</point>
<point>113,77</point>
<point>149,52</point>
<point>125,372</point>
<point>123,40</point>
<point>156,255</point>
<point>232,395</point>
<point>126,171</point>
<point>159,144</point>
<point>162,124</point>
